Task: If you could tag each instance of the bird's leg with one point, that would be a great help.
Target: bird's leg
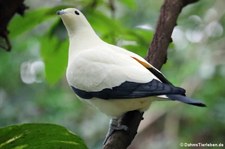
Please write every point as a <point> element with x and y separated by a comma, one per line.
<point>114,125</point>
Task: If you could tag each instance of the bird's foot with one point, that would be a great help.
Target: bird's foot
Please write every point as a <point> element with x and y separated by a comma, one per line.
<point>114,126</point>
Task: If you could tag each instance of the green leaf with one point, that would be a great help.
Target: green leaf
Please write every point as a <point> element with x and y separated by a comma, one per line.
<point>31,19</point>
<point>105,26</point>
<point>129,3</point>
<point>39,136</point>
<point>54,53</point>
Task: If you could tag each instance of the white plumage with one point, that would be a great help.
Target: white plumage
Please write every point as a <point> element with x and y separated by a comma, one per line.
<point>113,79</point>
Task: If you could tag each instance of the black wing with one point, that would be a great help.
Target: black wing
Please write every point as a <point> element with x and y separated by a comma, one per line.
<point>129,90</point>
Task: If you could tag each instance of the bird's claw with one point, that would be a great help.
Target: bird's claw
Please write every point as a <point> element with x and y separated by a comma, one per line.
<point>114,126</point>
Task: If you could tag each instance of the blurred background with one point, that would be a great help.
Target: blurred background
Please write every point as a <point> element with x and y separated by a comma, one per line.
<point>33,88</point>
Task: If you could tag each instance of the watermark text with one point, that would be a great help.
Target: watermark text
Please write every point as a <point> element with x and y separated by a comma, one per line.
<point>186,144</point>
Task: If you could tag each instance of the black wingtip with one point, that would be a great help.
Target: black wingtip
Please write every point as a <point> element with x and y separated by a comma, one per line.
<point>186,100</point>
<point>198,104</point>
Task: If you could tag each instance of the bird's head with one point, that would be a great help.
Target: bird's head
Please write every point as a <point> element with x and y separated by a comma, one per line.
<point>73,20</point>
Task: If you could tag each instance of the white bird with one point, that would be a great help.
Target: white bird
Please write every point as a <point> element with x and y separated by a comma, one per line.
<point>113,79</point>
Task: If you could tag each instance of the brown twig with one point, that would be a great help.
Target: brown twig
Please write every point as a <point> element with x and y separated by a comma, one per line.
<point>169,13</point>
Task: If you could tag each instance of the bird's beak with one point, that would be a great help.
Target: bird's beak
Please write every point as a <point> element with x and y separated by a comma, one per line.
<point>60,12</point>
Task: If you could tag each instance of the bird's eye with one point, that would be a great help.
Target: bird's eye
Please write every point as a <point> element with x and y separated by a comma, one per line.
<point>76,12</point>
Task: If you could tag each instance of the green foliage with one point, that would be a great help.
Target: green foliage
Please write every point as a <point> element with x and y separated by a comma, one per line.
<point>50,45</point>
<point>54,53</point>
<point>129,3</point>
<point>112,31</point>
<point>36,136</point>
<point>31,19</point>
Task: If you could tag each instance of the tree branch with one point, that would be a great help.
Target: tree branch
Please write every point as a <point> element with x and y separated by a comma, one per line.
<point>157,52</point>
<point>169,13</point>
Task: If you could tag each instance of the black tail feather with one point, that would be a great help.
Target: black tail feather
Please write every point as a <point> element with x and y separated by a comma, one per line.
<point>187,100</point>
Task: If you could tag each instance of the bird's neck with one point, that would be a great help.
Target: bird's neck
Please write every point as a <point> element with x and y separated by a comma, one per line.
<point>83,39</point>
